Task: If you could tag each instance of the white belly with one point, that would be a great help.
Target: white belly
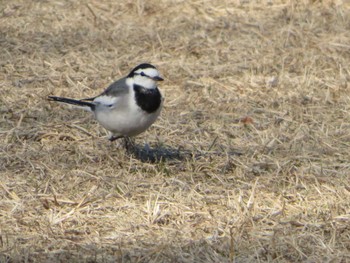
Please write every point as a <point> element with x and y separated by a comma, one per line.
<point>126,119</point>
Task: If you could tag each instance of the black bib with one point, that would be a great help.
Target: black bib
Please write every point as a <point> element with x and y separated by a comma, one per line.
<point>148,99</point>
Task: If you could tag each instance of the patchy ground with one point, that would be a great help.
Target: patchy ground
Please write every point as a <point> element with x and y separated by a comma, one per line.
<point>249,161</point>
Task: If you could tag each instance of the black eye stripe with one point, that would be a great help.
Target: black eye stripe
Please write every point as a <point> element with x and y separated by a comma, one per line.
<point>143,74</point>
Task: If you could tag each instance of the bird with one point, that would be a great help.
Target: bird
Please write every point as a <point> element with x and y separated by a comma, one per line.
<point>127,107</point>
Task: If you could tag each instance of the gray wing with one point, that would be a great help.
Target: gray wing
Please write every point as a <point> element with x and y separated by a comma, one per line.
<point>116,89</point>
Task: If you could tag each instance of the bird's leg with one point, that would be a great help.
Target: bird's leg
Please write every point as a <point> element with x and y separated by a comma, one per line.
<point>112,138</point>
<point>129,144</point>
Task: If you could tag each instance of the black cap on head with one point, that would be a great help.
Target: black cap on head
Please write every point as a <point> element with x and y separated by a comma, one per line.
<point>141,66</point>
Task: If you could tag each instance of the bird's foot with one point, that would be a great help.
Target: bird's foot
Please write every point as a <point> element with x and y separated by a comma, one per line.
<point>127,142</point>
<point>129,145</point>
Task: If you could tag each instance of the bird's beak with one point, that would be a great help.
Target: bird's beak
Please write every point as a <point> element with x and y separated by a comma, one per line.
<point>157,78</point>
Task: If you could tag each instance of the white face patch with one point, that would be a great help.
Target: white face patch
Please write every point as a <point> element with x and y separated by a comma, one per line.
<point>145,82</point>
<point>150,72</point>
<point>145,77</point>
<point>105,100</point>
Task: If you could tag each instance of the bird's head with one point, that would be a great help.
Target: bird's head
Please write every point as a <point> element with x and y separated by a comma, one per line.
<point>145,75</point>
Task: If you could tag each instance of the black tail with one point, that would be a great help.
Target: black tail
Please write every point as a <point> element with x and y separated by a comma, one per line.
<point>73,102</point>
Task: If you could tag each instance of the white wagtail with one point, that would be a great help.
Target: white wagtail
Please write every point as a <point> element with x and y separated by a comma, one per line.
<point>128,106</point>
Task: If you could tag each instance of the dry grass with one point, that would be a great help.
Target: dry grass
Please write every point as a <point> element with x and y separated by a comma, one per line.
<point>249,161</point>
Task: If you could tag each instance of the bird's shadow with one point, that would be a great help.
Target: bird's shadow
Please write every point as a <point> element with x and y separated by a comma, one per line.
<point>159,153</point>
<point>163,153</point>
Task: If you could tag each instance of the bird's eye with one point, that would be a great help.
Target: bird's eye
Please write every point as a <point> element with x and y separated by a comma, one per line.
<point>142,74</point>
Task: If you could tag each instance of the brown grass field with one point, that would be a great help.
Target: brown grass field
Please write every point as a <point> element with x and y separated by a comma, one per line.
<point>249,161</point>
